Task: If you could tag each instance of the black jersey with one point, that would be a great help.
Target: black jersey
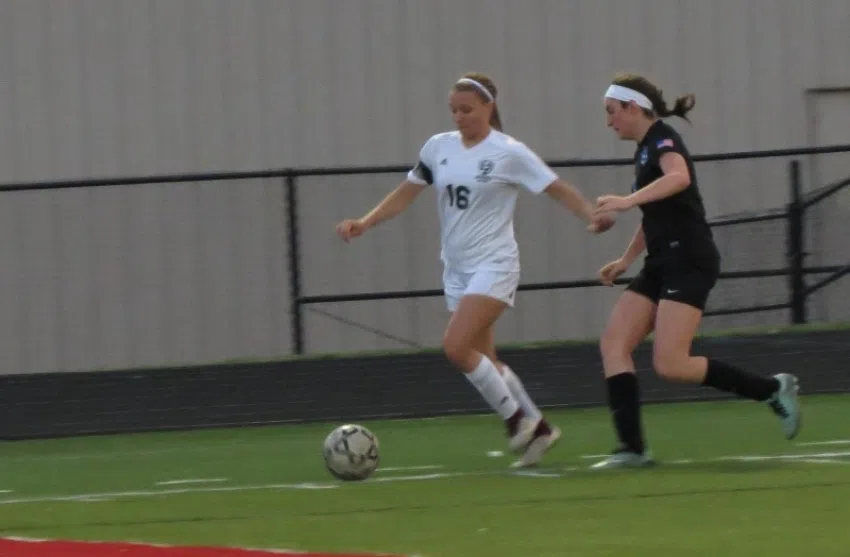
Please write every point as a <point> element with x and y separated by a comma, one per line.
<point>677,221</point>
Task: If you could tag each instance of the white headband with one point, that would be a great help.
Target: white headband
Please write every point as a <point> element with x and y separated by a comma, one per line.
<point>478,85</point>
<point>625,94</point>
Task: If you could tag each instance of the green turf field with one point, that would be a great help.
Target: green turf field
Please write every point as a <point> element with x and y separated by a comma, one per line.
<point>439,494</point>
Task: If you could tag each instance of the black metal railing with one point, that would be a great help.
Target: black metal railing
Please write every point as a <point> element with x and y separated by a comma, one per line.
<point>793,213</point>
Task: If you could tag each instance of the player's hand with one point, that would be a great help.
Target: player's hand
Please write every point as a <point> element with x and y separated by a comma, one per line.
<point>609,203</point>
<point>350,228</point>
<point>601,223</point>
<point>610,272</point>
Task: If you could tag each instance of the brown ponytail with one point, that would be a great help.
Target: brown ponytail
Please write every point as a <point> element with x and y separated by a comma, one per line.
<point>683,105</point>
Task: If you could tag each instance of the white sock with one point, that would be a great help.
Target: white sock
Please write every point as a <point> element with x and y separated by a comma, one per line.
<point>518,392</point>
<point>489,382</point>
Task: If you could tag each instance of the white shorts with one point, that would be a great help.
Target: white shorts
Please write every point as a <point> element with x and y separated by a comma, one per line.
<point>501,285</point>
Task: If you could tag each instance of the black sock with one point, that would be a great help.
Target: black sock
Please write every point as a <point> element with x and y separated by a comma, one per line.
<point>624,400</point>
<point>729,378</point>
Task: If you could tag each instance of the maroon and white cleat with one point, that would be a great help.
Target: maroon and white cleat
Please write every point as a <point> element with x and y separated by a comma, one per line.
<point>545,437</point>
<point>521,430</point>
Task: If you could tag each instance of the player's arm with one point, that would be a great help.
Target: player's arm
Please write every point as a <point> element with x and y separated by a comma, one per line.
<point>676,178</point>
<point>530,171</point>
<point>393,204</point>
<point>536,176</point>
<point>418,178</point>
<point>636,247</point>
<point>568,196</point>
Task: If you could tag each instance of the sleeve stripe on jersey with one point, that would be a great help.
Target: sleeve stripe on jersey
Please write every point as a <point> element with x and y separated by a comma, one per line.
<point>424,172</point>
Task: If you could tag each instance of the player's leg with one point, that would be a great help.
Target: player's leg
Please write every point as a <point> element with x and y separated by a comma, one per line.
<point>630,322</point>
<point>546,435</point>
<point>677,322</point>
<point>473,314</point>
<point>487,346</point>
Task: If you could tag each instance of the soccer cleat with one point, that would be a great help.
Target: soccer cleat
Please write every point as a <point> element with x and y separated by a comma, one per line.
<point>785,403</point>
<point>539,446</point>
<point>624,459</point>
<point>521,433</point>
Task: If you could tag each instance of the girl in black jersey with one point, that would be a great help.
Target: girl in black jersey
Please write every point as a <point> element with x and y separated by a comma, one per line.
<point>668,295</point>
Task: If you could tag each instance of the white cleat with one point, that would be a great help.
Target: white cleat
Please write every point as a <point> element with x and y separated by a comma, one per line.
<point>524,434</point>
<point>538,447</point>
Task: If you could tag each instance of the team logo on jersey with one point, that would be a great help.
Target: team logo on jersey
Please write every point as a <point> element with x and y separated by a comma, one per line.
<point>644,156</point>
<point>485,168</point>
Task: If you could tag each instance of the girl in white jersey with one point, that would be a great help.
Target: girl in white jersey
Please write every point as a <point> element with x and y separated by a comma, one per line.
<point>477,172</point>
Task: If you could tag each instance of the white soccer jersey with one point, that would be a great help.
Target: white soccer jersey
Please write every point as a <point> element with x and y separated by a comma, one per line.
<point>477,189</point>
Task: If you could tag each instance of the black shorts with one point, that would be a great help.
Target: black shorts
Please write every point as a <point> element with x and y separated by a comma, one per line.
<point>679,281</point>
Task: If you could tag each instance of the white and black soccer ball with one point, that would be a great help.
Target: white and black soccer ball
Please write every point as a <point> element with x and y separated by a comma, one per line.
<point>351,452</point>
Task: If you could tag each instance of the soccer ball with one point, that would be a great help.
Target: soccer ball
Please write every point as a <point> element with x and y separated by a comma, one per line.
<point>351,452</point>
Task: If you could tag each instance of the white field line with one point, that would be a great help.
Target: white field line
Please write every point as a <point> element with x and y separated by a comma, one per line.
<point>402,468</point>
<point>88,497</point>
<point>814,458</point>
<point>757,458</point>
<point>189,481</point>
<point>161,493</point>
<point>823,461</point>
<point>742,458</point>
<point>423,477</point>
<point>819,443</point>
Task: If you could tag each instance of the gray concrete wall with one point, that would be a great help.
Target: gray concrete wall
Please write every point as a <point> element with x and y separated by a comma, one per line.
<point>190,273</point>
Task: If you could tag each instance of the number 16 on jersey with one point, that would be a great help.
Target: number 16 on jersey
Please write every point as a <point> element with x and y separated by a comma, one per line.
<point>458,196</point>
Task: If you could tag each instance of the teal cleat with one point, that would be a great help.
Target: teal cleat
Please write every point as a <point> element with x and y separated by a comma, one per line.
<point>785,403</point>
<point>624,459</point>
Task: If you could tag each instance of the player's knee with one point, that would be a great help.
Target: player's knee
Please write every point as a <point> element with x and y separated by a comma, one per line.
<point>457,349</point>
<point>608,343</point>
<point>669,364</point>
<point>612,345</point>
